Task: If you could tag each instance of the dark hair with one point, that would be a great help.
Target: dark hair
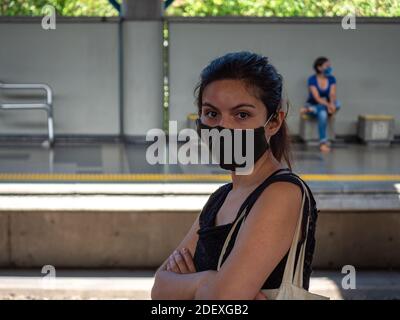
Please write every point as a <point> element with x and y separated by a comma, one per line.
<point>319,62</point>
<point>258,74</point>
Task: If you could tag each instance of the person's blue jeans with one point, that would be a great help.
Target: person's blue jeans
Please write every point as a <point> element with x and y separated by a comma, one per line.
<point>320,111</point>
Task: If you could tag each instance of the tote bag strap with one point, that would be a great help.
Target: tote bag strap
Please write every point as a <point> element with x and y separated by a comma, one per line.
<point>228,237</point>
<point>289,268</point>
<point>290,263</point>
<point>233,228</point>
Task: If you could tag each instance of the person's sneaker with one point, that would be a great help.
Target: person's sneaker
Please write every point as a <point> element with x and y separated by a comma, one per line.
<point>324,147</point>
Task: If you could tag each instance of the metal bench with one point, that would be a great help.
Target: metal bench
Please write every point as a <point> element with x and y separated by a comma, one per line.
<point>47,106</point>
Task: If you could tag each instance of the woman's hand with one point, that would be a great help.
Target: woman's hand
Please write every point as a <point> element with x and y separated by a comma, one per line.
<point>181,261</point>
<point>331,108</point>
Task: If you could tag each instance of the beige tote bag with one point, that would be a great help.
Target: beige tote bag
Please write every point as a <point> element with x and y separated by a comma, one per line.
<point>290,289</point>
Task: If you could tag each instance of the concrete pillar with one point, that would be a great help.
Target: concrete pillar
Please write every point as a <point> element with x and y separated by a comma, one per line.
<point>142,9</point>
<point>142,67</point>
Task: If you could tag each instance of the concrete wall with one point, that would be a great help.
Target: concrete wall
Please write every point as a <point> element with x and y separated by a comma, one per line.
<point>365,239</point>
<point>78,60</point>
<point>365,60</point>
<point>90,239</point>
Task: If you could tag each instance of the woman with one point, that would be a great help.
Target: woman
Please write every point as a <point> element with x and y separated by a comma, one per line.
<point>321,102</point>
<point>242,90</point>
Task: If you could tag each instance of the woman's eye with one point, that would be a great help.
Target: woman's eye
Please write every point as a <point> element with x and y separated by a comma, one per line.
<point>242,115</point>
<point>211,114</point>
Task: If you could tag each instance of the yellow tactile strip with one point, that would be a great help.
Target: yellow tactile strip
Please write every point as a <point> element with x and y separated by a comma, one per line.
<point>149,177</point>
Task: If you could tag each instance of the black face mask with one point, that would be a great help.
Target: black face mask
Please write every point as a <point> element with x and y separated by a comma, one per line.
<point>238,140</point>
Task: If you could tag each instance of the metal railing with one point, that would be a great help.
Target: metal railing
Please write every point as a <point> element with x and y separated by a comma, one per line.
<point>48,106</point>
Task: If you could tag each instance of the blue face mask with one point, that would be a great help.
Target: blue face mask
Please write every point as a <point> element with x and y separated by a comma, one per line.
<point>328,71</point>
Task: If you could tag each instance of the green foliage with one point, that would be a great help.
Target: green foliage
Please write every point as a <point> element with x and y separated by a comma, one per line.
<point>63,7</point>
<point>259,8</point>
<point>284,8</point>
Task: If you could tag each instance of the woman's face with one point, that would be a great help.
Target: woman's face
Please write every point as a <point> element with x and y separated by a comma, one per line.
<point>228,103</point>
<point>324,66</point>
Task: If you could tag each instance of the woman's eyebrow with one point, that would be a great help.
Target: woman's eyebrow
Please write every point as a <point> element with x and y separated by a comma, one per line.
<point>207,104</point>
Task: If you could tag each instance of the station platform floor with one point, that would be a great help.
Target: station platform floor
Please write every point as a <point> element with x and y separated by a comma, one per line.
<point>348,167</point>
<point>351,176</point>
<point>26,284</point>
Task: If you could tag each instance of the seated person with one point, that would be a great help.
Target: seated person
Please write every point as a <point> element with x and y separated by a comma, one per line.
<point>321,102</point>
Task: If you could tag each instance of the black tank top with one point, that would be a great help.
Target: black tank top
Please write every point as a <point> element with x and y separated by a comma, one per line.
<point>212,237</point>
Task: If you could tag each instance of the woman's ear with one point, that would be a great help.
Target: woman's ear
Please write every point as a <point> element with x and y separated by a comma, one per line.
<point>275,123</point>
